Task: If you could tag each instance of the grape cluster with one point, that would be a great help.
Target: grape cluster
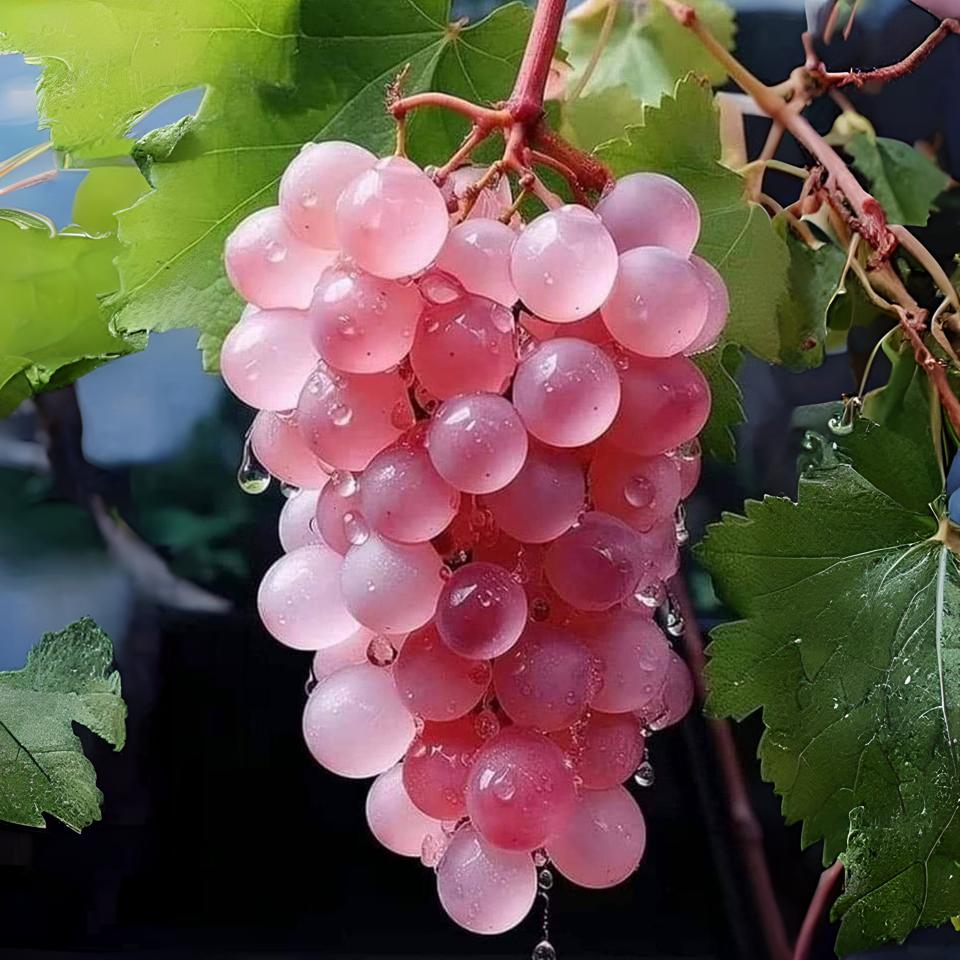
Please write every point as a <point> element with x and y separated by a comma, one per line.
<point>492,426</point>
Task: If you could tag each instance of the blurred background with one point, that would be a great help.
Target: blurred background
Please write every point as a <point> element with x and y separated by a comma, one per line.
<point>220,837</point>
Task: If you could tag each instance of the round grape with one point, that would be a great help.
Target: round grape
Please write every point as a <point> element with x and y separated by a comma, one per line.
<point>279,446</point>
<point>298,520</point>
<point>392,817</point>
<point>606,748</point>
<point>347,653</point>
<point>718,306</point>
<point>674,699</point>
<point>338,506</point>
<point>638,490</point>
<point>477,253</point>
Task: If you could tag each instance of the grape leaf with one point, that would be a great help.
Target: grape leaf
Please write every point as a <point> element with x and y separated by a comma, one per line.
<point>720,366</point>
<point>67,680</point>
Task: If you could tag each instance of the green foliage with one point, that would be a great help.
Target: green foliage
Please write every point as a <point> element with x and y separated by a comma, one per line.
<point>67,680</point>
<point>720,366</point>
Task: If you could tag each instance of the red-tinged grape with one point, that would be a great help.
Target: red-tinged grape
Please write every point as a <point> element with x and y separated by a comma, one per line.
<point>437,764</point>
<point>477,253</point>
<point>606,748</point>
<point>718,306</point>
<point>434,682</point>
<point>689,461</point>
<point>483,889</point>
<point>402,495</point>
<point>298,521</point>
<point>464,346</point>
<point>355,724</point>
<point>312,184</point>
<point>564,264</point>
<point>392,219</point>
<point>299,602</point>
<point>394,819</point>
<point>634,656</point>
<point>279,446</point>
<point>520,790</point>
<point>481,612</point>
<point>567,392</point>
<point>651,210</point>
<point>658,305</point>
<point>664,403</point>
<point>543,500</point>
<point>590,328</point>
<point>547,679</point>
<point>347,653</point>
<point>339,517</point>
<point>348,418</point>
<point>638,490</point>
<point>362,323</point>
<point>269,266</point>
<point>391,587</point>
<point>477,442</point>
<point>674,699</point>
<point>603,840</point>
<point>491,202</point>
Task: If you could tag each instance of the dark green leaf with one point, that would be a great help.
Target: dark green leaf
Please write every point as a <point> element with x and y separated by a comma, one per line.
<point>720,366</point>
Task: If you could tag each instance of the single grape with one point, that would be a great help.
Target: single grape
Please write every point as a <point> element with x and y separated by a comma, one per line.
<point>392,817</point>
<point>437,764</point>
<point>605,748</point>
<point>564,264</point>
<point>278,445</point>
<point>718,306</point>
<point>312,184</point>
<point>491,202</point>
<point>638,490</point>
<point>674,699</point>
<point>567,392</point>
<point>298,520</point>
<point>477,253</point>
<point>392,219</point>
<point>338,505</point>
<point>689,460</point>
<point>651,210</point>
<point>347,653</point>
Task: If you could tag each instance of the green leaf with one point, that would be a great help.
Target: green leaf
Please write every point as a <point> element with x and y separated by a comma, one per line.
<point>67,680</point>
<point>720,366</point>
<point>595,118</point>
<point>904,180</point>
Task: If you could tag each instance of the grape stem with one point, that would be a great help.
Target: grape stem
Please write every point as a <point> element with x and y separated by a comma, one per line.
<point>819,903</point>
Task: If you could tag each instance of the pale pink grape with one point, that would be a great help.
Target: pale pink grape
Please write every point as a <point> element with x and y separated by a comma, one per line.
<point>392,817</point>
<point>347,653</point>
<point>718,306</point>
<point>603,840</point>
<point>651,210</point>
<point>590,328</point>
<point>606,748</point>
<point>312,184</point>
<point>477,253</point>
<point>520,790</point>
<point>437,764</point>
<point>674,699</point>
<point>392,219</point>
<point>355,724</point>
<point>477,442</point>
<point>638,490</point>
<point>483,889</point>
<point>491,202</point>
<point>564,264</point>
<point>279,446</point>
<point>298,520</point>
<point>567,392</point>
<point>338,512</point>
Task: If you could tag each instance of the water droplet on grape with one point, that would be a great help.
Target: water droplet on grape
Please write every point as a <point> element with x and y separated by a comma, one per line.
<point>355,528</point>
<point>639,492</point>
<point>381,652</point>
<point>644,777</point>
<point>341,414</point>
<point>276,252</point>
<point>545,879</point>
<point>252,476</point>
<point>544,950</point>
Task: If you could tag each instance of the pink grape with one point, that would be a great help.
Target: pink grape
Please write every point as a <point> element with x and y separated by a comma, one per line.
<point>347,653</point>
<point>589,328</point>
<point>269,266</point>
<point>520,790</point>
<point>402,495</point>
<point>606,748</point>
<point>674,699</point>
<point>664,403</point>
<point>481,612</point>
<point>436,766</point>
<point>355,724</point>
<point>543,500</point>
<point>483,889</point>
<point>339,511</point>
<point>567,392</point>
<point>464,346</point>
<point>689,461</point>
<point>651,210</point>
<point>312,183</point>
<point>391,587</point>
<point>434,682</point>
<point>362,323</point>
<point>299,602</point>
<point>564,264</point>
<point>658,306</point>
<point>547,679</point>
<point>602,842</point>
<point>279,446</point>
<point>392,817</point>
<point>634,657</point>
<point>718,306</point>
<point>477,442</point>
<point>638,490</point>
<point>298,520</point>
<point>392,219</point>
<point>491,202</point>
<point>477,253</point>
<point>346,419</point>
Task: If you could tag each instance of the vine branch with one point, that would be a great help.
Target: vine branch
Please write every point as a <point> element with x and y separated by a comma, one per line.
<point>822,897</point>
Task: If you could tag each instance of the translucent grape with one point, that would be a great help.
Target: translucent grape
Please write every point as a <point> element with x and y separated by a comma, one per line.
<point>603,840</point>
<point>298,520</point>
<point>718,306</point>
<point>392,219</point>
<point>312,184</point>
<point>348,418</point>
<point>674,699</point>
<point>348,652</point>
<point>269,266</point>
<point>664,403</point>
<point>436,766</point>
<point>567,392</point>
<point>651,210</point>
<point>355,724</point>
<point>606,748</point>
<point>689,462</point>
<point>465,346</point>
<point>590,328</point>
<point>477,442</point>
<point>564,264</point>
<point>392,817</point>
<point>481,612</point>
<point>547,679</point>
<point>491,202</point>
<point>434,682</point>
<point>483,889</point>
<point>520,790</point>
<point>638,490</point>
<point>658,305</point>
<point>299,602</point>
<point>335,503</point>
<point>477,253</point>
<point>279,446</point>
<point>391,587</point>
